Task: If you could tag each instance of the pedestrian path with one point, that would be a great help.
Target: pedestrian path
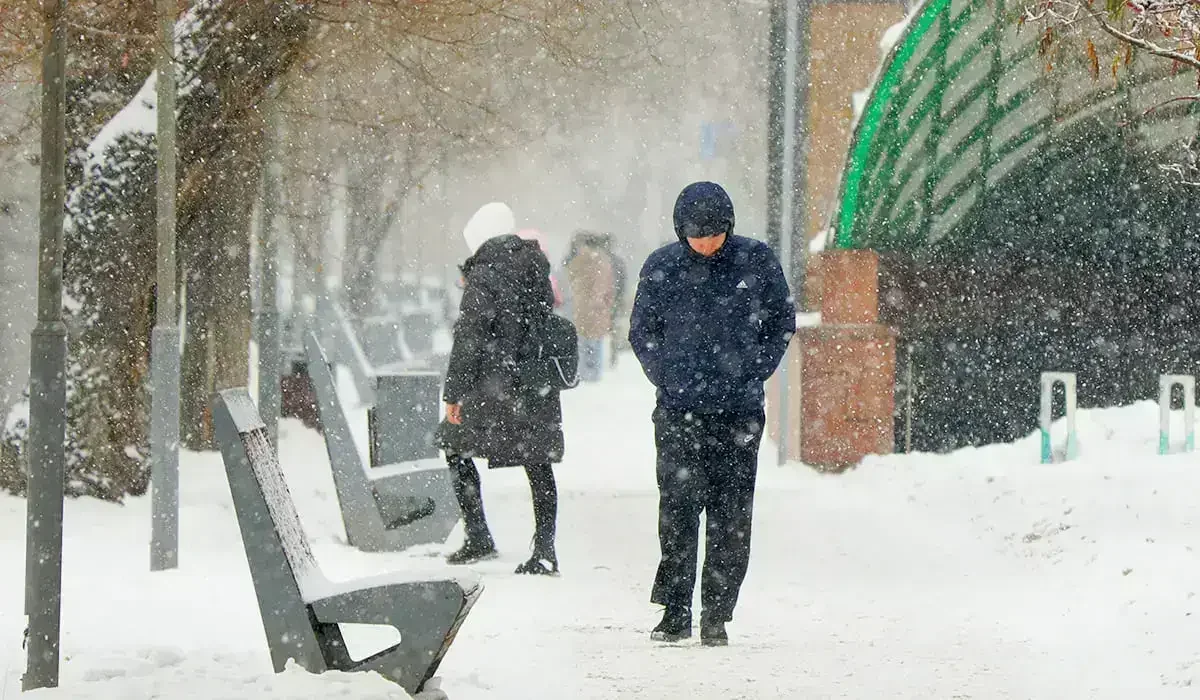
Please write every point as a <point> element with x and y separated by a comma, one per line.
<point>847,596</point>
<point>980,575</point>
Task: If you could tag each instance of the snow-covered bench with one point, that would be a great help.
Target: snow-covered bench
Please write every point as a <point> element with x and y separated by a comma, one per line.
<point>301,609</point>
<point>394,507</point>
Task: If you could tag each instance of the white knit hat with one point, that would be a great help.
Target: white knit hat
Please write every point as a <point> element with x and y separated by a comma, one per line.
<point>491,221</point>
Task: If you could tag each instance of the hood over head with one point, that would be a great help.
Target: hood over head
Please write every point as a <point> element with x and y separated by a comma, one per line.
<point>703,209</point>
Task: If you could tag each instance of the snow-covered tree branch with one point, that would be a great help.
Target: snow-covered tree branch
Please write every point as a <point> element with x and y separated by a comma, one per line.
<point>1167,30</point>
<point>229,52</point>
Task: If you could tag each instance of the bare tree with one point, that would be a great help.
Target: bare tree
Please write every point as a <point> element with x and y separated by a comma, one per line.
<point>1168,29</point>
<point>230,53</point>
<point>398,105</point>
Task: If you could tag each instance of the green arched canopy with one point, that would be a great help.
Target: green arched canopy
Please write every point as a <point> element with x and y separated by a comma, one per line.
<point>965,100</point>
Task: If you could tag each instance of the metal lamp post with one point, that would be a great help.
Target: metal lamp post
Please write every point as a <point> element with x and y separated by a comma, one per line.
<point>269,350</point>
<point>787,152</point>
<point>164,342</point>
<point>47,376</point>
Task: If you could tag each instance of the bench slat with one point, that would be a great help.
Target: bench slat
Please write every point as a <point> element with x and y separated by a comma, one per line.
<point>265,463</point>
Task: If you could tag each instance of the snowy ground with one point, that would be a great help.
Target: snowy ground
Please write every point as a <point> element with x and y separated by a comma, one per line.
<point>981,574</point>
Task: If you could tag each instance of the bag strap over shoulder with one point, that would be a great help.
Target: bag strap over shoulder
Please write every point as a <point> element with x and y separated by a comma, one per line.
<point>568,383</point>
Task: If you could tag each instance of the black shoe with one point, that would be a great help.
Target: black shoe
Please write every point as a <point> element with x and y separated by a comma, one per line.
<point>472,552</point>
<point>676,625</point>
<point>712,634</point>
<point>539,566</point>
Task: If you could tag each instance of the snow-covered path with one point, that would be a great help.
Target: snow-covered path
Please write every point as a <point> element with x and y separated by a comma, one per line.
<point>866,585</point>
<point>976,575</point>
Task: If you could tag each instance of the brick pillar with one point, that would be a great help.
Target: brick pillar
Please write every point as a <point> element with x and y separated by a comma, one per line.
<point>848,367</point>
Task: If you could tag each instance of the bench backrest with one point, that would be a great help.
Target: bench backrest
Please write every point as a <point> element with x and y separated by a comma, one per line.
<point>360,513</point>
<point>405,417</point>
<point>281,562</point>
<point>347,350</point>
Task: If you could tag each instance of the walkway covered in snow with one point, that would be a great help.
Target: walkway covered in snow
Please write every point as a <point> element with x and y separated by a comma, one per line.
<point>977,575</point>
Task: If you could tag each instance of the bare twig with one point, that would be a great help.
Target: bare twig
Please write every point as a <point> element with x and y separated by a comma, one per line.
<point>1143,44</point>
<point>116,36</point>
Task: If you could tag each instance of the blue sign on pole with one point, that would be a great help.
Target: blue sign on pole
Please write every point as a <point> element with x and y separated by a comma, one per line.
<point>715,138</point>
<point>708,142</point>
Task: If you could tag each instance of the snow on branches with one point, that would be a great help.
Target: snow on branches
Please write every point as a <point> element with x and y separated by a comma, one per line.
<point>227,52</point>
<point>1165,29</point>
<point>1169,29</point>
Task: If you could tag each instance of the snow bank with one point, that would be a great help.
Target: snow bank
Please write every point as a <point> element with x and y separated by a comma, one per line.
<point>193,632</point>
<point>177,673</point>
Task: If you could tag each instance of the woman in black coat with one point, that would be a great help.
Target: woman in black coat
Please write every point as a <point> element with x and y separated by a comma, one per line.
<point>489,414</point>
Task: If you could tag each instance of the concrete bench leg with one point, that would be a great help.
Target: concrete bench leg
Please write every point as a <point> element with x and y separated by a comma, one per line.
<point>427,614</point>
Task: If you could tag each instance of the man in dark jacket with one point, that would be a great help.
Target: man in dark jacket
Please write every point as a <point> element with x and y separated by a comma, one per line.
<point>489,414</point>
<point>711,322</point>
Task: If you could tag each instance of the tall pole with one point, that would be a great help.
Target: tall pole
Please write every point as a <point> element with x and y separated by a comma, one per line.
<point>47,375</point>
<point>801,84</point>
<point>787,214</point>
<point>164,340</point>
<point>776,98</point>
<point>787,177</point>
<point>778,77</point>
<point>269,351</point>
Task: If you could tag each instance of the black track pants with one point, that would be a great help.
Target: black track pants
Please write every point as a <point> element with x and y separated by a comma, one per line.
<point>706,464</point>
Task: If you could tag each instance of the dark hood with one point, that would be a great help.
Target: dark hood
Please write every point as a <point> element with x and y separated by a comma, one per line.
<point>703,209</point>
<point>516,265</point>
<point>507,249</point>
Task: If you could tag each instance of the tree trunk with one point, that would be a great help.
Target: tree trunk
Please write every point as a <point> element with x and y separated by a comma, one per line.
<point>368,227</point>
<point>216,346</point>
<point>361,285</point>
<point>306,214</point>
<point>365,224</point>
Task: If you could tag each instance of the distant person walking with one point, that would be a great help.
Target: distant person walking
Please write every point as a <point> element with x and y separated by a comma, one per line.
<point>489,415</point>
<point>532,234</point>
<point>590,272</point>
<point>620,282</point>
<point>712,319</point>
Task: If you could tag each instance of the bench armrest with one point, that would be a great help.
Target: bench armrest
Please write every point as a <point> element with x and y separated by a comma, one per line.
<point>397,603</point>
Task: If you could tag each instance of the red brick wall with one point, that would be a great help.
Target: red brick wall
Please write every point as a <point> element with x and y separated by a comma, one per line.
<point>844,369</point>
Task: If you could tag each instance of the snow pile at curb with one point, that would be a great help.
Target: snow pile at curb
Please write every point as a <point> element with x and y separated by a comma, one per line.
<point>172,673</point>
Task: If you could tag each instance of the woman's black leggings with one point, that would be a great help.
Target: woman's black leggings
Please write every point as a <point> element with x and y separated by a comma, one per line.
<point>469,491</point>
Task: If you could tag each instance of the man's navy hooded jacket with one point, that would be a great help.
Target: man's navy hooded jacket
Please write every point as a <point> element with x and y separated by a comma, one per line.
<point>709,331</point>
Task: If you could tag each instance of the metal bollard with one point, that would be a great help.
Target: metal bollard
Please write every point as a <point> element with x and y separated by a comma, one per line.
<point>1166,383</point>
<point>1049,379</point>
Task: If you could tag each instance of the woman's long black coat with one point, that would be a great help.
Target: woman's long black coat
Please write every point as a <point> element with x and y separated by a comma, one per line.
<point>507,287</point>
